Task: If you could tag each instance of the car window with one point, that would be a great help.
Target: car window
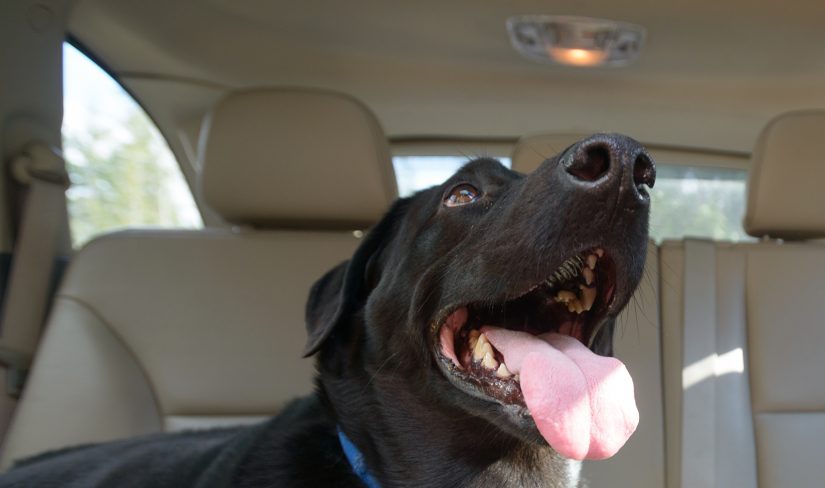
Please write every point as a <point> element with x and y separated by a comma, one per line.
<point>413,173</point>
<point>123,172</point>
<point>689,201</point>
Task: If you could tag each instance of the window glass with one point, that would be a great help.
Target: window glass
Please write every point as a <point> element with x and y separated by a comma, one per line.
<point>698,202</point>
<point>123,172</point>
<point>414,173</point>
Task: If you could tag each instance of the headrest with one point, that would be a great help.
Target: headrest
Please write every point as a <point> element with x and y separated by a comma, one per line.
<point>786,198</point>
<point>530,151</point>
<point>295,157</point>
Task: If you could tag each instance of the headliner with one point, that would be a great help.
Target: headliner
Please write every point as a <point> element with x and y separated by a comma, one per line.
<point>710,77</point>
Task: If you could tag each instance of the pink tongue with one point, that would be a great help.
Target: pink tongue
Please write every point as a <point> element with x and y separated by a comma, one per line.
<point>582,403</point>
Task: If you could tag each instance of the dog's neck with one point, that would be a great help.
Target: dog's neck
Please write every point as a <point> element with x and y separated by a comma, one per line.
<point>409,443</point>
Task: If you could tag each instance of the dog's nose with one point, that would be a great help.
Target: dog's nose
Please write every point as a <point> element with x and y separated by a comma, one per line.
<point>606,161</point>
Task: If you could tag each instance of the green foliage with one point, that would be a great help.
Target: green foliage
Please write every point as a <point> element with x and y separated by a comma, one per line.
<point>123,176</point>
<point>692,207</point>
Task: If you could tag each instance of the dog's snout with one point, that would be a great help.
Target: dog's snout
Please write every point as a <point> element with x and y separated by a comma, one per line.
<point>611,162</point>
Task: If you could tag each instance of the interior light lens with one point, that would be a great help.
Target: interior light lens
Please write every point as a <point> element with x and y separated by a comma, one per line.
<point>576,41</point>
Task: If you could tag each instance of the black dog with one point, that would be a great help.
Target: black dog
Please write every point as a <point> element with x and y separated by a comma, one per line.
<point>434,344</point>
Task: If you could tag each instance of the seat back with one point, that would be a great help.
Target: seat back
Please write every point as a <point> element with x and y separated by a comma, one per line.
<point>163,330</point>
<point>705,375</point>
<point>786,334</point>
<point>745,401</point>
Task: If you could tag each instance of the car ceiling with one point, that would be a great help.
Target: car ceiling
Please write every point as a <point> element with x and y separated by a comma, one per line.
<point>711,75</point>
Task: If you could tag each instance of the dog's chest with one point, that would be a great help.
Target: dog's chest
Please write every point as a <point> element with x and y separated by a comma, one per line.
<point>553,473</point>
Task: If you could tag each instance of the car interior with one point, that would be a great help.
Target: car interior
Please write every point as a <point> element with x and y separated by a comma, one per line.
<point>290,127</point>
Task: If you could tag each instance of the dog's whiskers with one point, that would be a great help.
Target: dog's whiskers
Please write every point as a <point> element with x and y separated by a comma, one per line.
<point>378,370</point>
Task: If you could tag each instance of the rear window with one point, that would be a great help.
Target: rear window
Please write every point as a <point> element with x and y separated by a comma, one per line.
<point>698,202</point>
<point>414,173</point>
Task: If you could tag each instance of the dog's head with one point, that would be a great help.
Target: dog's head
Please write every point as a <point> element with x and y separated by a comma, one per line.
<point>463,292</point>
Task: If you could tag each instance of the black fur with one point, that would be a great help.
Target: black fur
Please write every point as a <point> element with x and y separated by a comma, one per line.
<point>370,323</point>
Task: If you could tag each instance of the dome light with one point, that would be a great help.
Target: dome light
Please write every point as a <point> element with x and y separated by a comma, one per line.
<point>575,41</point>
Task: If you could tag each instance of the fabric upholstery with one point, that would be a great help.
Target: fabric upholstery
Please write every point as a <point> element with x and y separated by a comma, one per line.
<point>785,197</point>
<point>163,330</point>
<point>769,401</point>
<point>530,151</point>
<point>295,157</point>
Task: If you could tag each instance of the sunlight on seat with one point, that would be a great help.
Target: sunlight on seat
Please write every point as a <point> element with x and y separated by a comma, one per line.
<point>713,366</point>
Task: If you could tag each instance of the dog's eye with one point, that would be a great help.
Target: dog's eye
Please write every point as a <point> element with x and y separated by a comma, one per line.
<point>461,195</point>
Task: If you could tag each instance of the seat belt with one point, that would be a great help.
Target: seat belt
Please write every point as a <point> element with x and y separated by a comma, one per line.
<point>42,234</point>
<point>699,368</point>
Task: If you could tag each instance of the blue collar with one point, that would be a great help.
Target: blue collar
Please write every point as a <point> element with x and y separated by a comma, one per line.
<point>356,460</point>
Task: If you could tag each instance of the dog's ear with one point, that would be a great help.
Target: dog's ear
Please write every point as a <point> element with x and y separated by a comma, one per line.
<point>342,290</point>
<point>324,307</point>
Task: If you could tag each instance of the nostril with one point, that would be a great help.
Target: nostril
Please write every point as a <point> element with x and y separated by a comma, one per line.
<point>590,165</point>
<point>644,172</point>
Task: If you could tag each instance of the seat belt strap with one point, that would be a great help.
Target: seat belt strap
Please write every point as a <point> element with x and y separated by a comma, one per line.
<point>42,234</point>
<point>699,366</point>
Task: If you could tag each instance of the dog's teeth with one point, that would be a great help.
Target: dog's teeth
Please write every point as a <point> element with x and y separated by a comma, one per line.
<point>472,338</point>
<point>565,296</point>
<point>478,349</point>
<point>588,296</point>
<point>481,348</point>
<point>591,261</point>
<point>478,352</point>
<point>503,372</point>
<point>489,361</point>
<point>587,273</point>
<point>575,305</point>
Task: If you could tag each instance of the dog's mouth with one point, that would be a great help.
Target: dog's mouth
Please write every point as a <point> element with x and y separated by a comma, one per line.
<point>572,301</point>
<point>535,353</point>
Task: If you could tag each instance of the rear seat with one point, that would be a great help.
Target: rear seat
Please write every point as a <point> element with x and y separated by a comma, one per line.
<point>746,405</point>
<point>641,463</point>
<point>162,330</point>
